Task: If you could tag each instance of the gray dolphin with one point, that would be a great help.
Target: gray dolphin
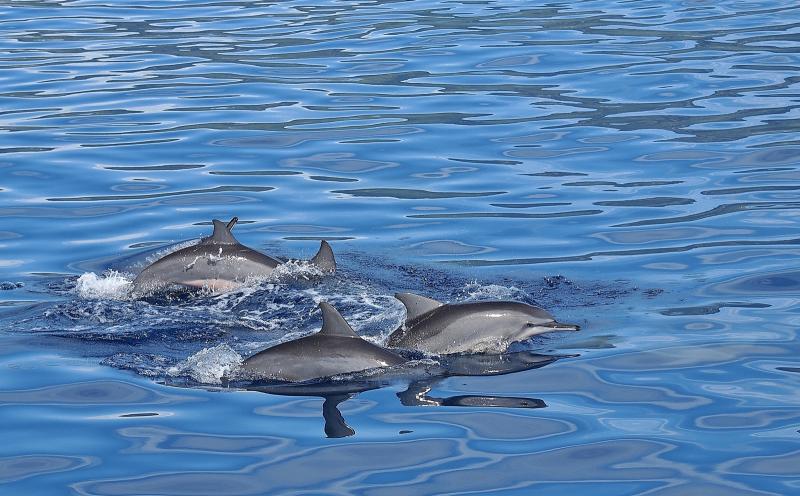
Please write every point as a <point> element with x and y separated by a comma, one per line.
<point>437,328</point>
<point>218,262</point>
<point>336,349</point>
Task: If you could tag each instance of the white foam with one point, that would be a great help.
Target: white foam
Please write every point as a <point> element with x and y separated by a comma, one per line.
<point>110,285</point>
<point>296,270</point>
<point>477,291</point>
<point>209,365</point>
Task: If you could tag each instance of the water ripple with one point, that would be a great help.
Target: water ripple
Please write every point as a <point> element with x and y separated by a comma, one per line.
<point>619,144</point>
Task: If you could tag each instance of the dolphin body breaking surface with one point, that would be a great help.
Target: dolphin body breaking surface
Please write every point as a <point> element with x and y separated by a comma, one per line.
<point>438,328</point>
<point>218,262</point>
<point>334,350</point>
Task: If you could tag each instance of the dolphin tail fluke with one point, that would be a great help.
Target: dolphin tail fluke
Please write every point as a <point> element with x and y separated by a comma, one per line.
<point>324,259</point>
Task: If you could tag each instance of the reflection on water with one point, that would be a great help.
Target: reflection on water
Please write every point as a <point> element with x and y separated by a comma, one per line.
<point>631,166</point>
<point>418,389</point>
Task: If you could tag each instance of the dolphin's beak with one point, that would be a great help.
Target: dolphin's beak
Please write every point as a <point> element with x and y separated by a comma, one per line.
<point>558,326</point>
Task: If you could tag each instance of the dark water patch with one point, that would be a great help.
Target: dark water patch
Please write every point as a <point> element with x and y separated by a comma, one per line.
<point>446,247</point>
<point>636,236</point>
<point>508,215</point>
<point>530,205</point>
<point>16,468</point>
<point>101,392</point>
<point>333,179</point>
<point>63,213</point>
<point>711,308</point>
<point>412,194</point>
<point>724,209</point>
<point>783,282</point>
<point>218,189</point>
<point>318,238</point>
<point>618,253</point>
<point>555,174</point>
<point>634,184</point>
<point>765,169</point>
<point>278,139</point>
<point>485,161</point>
<point>301,228</point>
<point>255,173</point>
<point>647,202</point>
<point>137,415</point>
<point>130,143</point>
<point>338,162</point>
<point>753,189</point>
<point>25,149</point>
<point>156,439</point>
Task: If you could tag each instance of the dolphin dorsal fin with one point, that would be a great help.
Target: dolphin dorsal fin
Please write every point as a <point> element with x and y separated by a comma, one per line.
<point>416,305</point>
<point>333,324</point>
<point>222,232</point>
<point>324,258</point>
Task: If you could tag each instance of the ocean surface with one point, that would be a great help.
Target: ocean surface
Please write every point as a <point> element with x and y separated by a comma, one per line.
<point>631,166</point>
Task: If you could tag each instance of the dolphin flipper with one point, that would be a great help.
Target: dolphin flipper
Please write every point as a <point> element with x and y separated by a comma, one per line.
<point>324,258</point>
<point>416,305</point>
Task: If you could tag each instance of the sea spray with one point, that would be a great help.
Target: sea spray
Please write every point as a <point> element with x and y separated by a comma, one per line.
<point>111,285</point>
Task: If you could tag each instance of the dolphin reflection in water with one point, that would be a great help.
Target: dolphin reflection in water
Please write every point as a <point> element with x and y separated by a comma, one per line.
<point>422,382</point>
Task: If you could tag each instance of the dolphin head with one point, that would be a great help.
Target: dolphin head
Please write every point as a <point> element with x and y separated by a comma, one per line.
<point>517,321</point>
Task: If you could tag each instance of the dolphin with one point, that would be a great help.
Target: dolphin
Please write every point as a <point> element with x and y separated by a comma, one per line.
<point>334,350</point>
<point>218,262</point>
<point>437,328</point>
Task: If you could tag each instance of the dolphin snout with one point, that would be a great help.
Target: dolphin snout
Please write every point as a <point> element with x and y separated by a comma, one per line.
<point>558,326</point>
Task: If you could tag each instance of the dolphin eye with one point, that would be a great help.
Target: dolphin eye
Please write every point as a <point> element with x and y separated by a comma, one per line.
<point>530,324</point>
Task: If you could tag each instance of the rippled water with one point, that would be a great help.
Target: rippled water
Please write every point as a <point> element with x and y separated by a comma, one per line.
<point>632,166</point>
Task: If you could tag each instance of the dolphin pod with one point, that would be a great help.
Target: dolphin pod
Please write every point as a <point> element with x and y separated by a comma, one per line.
<point>218,262</point>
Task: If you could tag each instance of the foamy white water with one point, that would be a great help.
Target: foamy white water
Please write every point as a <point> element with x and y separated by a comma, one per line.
<point>110,285</point>
<point>209,365</point>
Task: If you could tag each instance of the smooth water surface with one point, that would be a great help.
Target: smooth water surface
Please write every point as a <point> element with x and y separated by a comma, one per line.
<point>632,166</point>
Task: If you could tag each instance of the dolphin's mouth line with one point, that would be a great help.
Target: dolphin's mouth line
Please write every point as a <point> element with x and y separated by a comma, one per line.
<point>558,326</point>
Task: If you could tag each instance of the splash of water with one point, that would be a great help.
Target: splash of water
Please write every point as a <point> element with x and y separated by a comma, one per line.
<point>110,285</point>
<point>209,365</point>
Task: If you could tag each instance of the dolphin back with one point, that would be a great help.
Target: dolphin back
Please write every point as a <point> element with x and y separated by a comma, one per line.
<point>335,349</point>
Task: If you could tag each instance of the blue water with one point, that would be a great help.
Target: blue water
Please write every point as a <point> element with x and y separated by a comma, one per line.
<point>634,167</point>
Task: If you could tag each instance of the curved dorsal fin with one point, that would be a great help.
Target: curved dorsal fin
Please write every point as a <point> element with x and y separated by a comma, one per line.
<point>222,232</point>
<point>324,258</point>
<point>416,305</point>
<point>333,324</point>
